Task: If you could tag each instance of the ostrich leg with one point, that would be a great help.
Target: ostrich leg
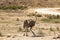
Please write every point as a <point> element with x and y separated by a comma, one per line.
<point>26,30</point>
<point>25,34</point>
<point>32,32</point>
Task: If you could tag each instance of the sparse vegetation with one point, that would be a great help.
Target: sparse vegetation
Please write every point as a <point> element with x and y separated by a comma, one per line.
<point>40,32</point>
<point>51,19</point>
<point>17,19</point>
<point>39,15</point>
<point>45,20</point>
<point>52,29</point>
<point>8,36</point>
<point>56,21</point>
<point>58,29</point>
<point>13,7</point>
<point>0,34</point>
<point>33,14</point>
<point>53,16</point>
<point>20,29</point>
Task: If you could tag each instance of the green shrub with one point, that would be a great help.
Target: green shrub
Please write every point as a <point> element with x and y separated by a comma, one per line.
<point>31,14</point>
<point>45,20</point>
<point>20,29</point>
<point>22,7</point>
<point>58,16</point>
<point>0,34</point>
<point>58,29</point>
<point>53,17</point>
<point>12,7</point>
<point>56,21</point>
<point>17,19</point>
<point>39,15</point>
<point>52,29</point>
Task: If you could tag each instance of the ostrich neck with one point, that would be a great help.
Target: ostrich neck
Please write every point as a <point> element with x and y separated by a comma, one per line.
<point>35,18</point>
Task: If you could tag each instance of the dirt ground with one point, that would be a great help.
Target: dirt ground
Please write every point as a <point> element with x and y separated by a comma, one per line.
<point>9,27</point>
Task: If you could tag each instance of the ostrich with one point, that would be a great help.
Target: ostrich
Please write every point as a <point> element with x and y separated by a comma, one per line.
<point>29,24</point>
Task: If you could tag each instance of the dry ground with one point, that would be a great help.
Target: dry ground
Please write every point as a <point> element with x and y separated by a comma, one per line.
<point>9,26</point>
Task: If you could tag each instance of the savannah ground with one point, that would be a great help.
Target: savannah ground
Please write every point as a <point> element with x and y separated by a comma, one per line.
<point>11,26</point>
<point>14,12</point>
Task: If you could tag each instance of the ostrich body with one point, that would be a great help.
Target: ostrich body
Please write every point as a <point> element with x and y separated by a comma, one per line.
<point>29,24</point>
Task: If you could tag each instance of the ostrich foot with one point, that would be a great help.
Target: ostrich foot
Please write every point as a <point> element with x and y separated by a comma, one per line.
<point>25,35</point>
